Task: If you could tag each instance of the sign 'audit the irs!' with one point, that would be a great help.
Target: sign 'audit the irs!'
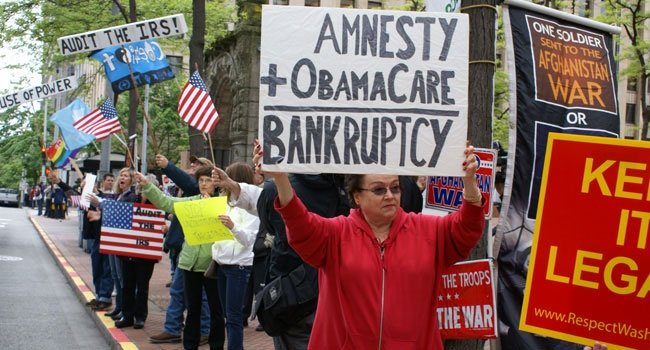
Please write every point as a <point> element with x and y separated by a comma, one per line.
<point>591,244</point>
<point>365,91</point>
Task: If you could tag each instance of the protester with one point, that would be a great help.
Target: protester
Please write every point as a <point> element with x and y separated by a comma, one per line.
<point>324,195</point>
<point>58,202</point>
<point>194,260</point>
<point>173,326</point>
<point>40,196</point>
<point>136,272</point>
<point>100,265</point>
<point>235,259</point>
<point>380,267</point>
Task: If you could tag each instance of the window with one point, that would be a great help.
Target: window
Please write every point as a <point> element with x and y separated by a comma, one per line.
<point>631,84</point>
<point>630,118</point>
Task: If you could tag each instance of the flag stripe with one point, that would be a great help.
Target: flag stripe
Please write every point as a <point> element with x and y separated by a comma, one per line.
<point>130,243</point>
<point>158,237</point>
<point>134,253</point>
<point>118,231</point>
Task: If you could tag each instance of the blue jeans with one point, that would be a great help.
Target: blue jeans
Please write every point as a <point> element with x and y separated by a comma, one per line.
<point>232,281</point>
<point>101,269</point>
<point>174,315</point>
<point>39,202</point>
<point>116,274</point>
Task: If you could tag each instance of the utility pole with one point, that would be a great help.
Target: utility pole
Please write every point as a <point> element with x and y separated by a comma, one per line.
<point>133,96</point>
<point>482,65</point>
<point>197,44</point>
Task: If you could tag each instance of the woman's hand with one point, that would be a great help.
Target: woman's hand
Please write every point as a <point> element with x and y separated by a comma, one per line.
<point>94,215</point>
<point>94,200</point>
<point>285,191</point>
<point>471,192</point>
<point>161,161</point>
<point>257,161</point>
<point>597,346</point>
<point>225,219</point>
<point>140,179</point>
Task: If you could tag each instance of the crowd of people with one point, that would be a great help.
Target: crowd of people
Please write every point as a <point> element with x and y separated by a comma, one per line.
<point>334,262</point>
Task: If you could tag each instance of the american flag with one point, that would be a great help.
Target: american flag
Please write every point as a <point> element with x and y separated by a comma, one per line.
<point>101,122</point>
<point>75,200</point>
<point>131,229</point>
<point>195,105</point>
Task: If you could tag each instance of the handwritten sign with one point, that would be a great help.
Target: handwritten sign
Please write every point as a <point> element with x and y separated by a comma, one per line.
<point>153,28</point>
<point>364,91</point>
<point>200,220</point>
<point>589,274</point>
<point>38,92</point>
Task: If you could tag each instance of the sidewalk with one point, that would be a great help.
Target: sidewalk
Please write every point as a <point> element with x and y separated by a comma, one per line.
<point>62,239</point>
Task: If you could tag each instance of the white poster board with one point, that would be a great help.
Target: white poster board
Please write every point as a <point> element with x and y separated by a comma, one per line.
<point>38,92</point>
<point>87,190</point>
<point>363,91</point>
<point>161,27</point>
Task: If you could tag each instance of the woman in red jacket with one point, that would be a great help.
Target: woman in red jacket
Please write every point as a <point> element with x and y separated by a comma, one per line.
<point>380,268</point>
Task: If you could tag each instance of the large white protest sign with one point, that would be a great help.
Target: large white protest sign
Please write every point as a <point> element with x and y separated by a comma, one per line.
<point>89,186</point>
<point>153,28</point>
<point>38,92</point>
<point>362,91</point>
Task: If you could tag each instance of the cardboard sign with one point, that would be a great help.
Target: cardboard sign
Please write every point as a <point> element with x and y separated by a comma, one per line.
<point>132,229</point>
<point>446,192</point>
<point>466,302</point>
<point>95,40</point>
<point>363,91</point>
<point>89,185</point>
<point>38,92</point>
<point>200,220</point>
<point>589,272</point>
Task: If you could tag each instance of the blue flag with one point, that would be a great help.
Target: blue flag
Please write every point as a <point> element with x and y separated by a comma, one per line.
<point>148,64</point>
<point>64,119</point>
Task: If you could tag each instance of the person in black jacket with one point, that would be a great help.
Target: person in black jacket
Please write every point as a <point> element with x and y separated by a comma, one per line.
<point>101,269</point>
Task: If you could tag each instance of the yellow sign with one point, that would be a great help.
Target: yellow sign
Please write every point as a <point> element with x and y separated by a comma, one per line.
<point>200,220</point>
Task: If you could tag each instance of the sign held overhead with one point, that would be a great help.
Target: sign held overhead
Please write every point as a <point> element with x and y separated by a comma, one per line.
<point>153,28</point>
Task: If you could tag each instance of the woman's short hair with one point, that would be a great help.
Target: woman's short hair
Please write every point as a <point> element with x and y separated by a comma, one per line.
<point>352,186</point>
<point>203,170</point>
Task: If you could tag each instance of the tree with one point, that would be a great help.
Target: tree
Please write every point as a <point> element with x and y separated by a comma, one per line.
<point>36,25</point>
<point>632,16</point>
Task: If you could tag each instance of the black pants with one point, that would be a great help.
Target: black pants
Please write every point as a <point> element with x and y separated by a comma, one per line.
<point>255,283</point>
<point>194,282</point>
<point>135,288</point>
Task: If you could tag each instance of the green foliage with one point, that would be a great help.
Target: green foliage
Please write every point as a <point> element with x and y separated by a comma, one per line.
<point>35,25</point>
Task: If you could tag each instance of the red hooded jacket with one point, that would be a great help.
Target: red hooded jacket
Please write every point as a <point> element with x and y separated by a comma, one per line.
<point>374,296</point>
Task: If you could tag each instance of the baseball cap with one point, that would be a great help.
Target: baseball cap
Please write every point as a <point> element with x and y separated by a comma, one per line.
<point>200,160</point>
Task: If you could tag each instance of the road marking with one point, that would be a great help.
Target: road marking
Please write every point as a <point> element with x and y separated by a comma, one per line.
<point>10,258</point>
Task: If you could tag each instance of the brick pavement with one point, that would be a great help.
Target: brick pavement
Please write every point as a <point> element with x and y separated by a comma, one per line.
<point>62,238</point>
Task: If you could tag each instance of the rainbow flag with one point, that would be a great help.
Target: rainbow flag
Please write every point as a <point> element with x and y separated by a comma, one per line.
<point>59,155</point>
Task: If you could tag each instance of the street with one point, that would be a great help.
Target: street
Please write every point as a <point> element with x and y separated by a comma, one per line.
<point>38,307</point>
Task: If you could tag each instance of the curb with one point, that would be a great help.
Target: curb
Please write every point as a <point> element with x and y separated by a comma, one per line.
<point>116,338</point>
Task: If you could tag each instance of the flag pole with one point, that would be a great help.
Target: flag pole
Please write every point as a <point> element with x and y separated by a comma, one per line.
<point>128,151</point>
<point>137,95</point>
<point>211,148</point>
<point>76,168</point>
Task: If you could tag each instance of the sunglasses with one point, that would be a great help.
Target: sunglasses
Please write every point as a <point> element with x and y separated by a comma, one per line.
<point>381,191</point>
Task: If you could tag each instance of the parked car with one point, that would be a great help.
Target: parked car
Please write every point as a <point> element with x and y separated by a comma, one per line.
<point>10,196</point>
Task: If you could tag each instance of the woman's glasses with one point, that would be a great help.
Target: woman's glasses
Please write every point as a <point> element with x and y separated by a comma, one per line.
<point>381,191</point>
